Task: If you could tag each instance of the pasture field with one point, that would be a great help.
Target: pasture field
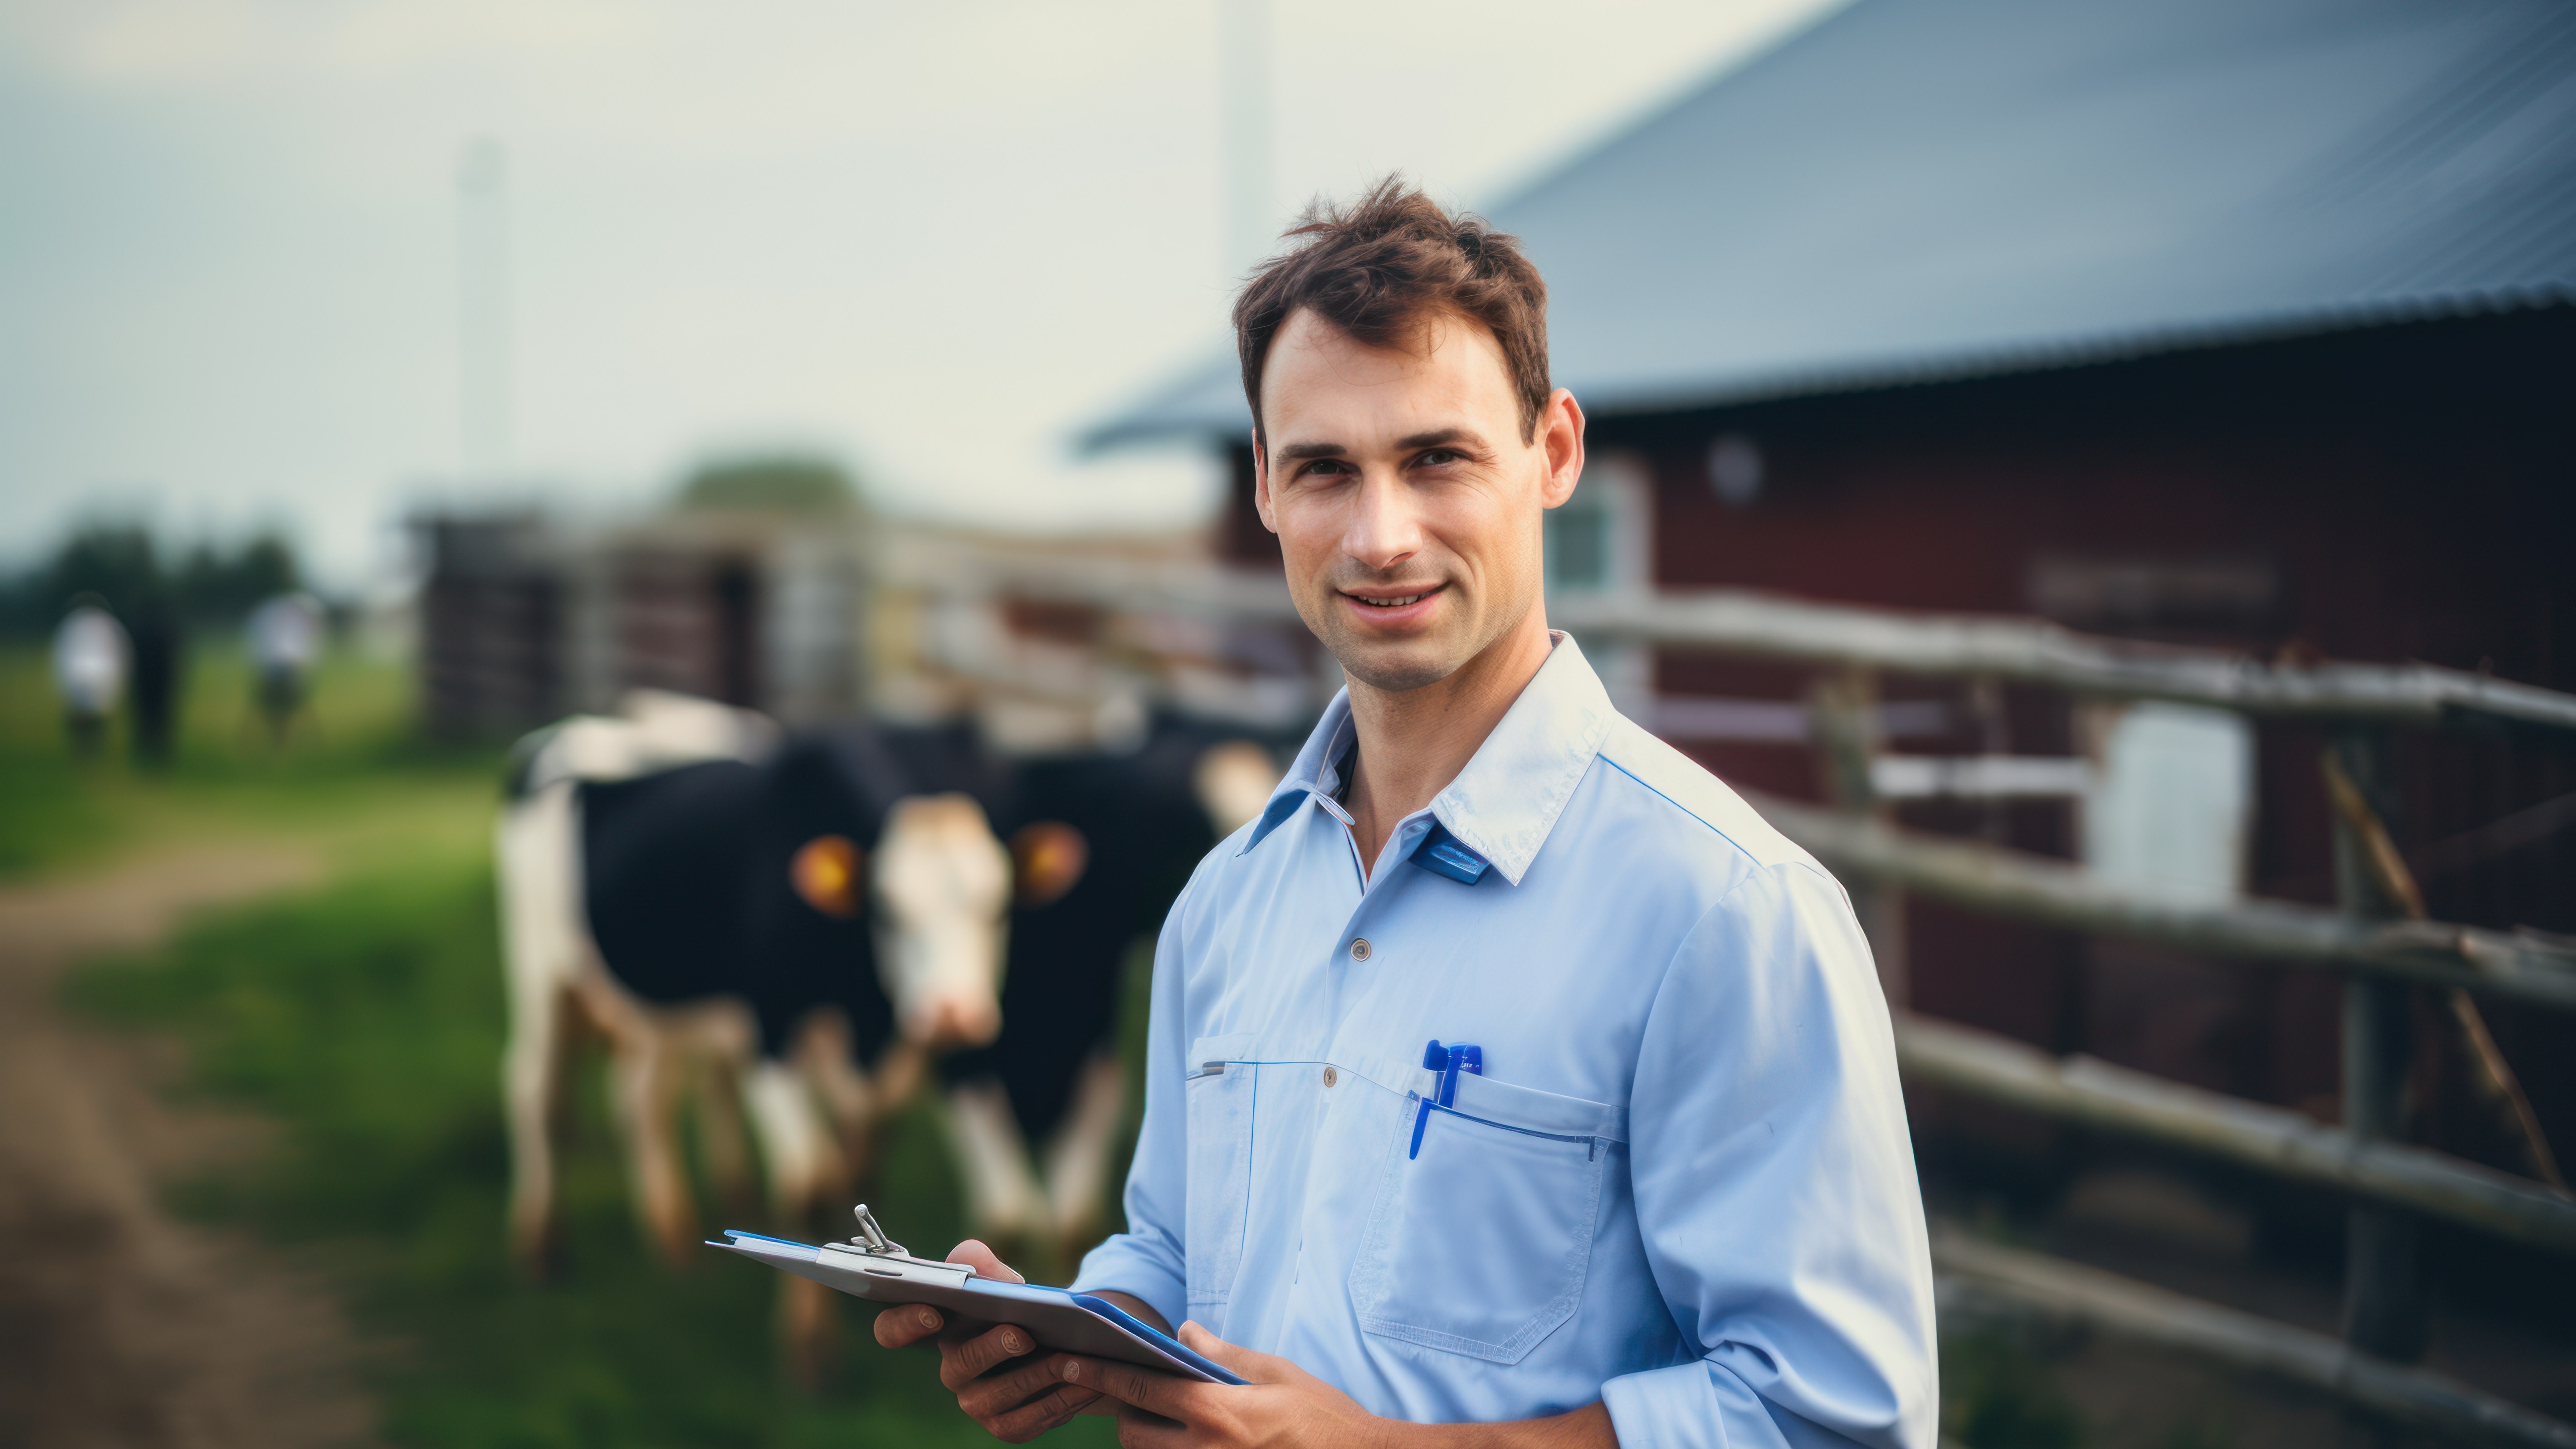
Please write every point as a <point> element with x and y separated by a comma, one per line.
<point>366,1018</point>
<point>363,1019</point>
<point>353,773</point>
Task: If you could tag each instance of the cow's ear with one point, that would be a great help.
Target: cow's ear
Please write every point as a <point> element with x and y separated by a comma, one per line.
<point>1048,859</point>
<point>830,874</point>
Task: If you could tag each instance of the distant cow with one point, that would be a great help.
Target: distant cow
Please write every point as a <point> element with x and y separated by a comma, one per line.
<point>801,920</point>
<point>90,657</point>
<point>1103,844</point>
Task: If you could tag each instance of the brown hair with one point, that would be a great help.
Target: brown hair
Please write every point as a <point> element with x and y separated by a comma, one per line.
<point>1385,264</point>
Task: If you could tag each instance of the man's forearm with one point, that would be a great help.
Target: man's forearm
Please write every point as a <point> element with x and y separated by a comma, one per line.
<point>1585,1428</point>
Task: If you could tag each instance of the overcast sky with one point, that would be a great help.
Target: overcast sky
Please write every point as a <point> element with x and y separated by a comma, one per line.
<point>929,238</point>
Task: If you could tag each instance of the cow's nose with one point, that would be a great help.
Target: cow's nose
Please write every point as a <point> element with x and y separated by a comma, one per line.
<point>952,1022</point>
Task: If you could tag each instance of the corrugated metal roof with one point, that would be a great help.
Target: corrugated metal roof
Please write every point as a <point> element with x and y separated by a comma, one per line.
<point>1918,189</point>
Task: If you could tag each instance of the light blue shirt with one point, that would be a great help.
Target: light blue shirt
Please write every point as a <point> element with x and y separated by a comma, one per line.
<point>1683,1184</point>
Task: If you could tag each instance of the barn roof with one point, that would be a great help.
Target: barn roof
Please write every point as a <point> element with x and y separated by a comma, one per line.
<point>1912,190</point>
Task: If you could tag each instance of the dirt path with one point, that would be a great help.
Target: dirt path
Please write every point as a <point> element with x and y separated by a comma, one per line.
<point>120,1326</point>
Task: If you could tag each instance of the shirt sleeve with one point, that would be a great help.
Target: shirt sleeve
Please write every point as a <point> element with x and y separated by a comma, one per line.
<point>1775,1187</point>
<point>1148,1259</point>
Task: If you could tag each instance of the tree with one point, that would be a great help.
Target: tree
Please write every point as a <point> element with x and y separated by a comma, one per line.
<point>771,483</point>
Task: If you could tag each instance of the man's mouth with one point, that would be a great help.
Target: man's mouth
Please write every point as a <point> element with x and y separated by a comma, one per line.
<point>1392,601</point>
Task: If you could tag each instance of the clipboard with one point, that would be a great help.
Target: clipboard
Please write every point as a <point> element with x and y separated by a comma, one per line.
<point>880,1271</point>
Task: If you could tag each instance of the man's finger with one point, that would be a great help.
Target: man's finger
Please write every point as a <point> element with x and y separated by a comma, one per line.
<point>1138,1429</point>
<point>1056,1407</point>
<point>1005,1390</point>
<point>985,1262</point>
<point>961,1364</point>
<point>907,1325</point>
<point>1260,1368</point>
<point>1163,1394</point>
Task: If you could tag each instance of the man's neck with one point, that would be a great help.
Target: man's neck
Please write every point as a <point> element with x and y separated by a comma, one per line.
<point>1413,742</point>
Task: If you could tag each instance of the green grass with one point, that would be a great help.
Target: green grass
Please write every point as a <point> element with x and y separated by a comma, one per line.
<point>366,1018</point>
<point>352,764</point>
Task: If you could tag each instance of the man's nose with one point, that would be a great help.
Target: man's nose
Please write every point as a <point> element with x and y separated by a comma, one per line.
<point>1384,530</point>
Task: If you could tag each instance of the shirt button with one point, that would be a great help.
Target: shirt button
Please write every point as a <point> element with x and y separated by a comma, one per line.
<point>1359,948</point>
<point>1329,1077</point>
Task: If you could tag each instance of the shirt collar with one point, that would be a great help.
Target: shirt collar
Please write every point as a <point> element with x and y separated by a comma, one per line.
<point>1507,799</point>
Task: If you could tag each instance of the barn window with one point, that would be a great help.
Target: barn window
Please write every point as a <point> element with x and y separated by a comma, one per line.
<point>1578,543</point>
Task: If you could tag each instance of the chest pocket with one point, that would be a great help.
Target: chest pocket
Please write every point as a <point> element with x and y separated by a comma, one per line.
<point>1479,1244</point>
<point>1220,1092</point>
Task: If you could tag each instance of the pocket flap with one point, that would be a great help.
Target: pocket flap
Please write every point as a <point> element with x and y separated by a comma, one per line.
<point>1233,1047</point>
<point>1537,1111</point>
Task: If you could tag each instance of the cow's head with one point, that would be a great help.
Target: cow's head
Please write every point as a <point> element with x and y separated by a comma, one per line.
<point>943,887</point>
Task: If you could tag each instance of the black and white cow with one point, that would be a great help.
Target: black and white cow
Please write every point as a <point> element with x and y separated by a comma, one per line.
<point>794,927</point>
<point>796,923</point>
<point>1102,843</point>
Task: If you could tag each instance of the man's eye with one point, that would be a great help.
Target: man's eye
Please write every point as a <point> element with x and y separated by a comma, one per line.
<point>1440,457</point>
<point>1322,467</point>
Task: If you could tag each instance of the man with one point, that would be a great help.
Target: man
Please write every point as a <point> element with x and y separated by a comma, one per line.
<point>1659,1190</point>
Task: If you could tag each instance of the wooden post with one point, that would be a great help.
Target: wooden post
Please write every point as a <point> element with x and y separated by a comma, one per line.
<point>1845,720</point>
<point>2384,1308</point>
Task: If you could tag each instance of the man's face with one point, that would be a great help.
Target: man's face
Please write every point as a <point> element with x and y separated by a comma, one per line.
<point>1406,503</point>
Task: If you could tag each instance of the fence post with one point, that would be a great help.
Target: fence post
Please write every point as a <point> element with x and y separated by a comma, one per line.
<point>1845,721</point>
<point>2384,1308</point>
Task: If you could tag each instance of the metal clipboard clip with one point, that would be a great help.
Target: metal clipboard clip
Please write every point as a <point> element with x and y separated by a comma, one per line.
<point>890,1259</point>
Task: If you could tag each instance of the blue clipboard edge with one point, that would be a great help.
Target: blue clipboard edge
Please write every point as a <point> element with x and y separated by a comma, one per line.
<point>989,1297</point>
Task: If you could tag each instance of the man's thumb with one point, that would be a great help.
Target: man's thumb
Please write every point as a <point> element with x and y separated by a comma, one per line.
<point>1242,1360</point>
<point>984,1261</point>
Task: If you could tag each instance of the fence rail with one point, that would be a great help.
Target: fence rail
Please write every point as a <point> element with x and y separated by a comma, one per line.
<point>2033,651</point>
<point>1980,1280</point>
<point>2272,1139</point>
<point>2035,888</point>
<point>1770,626</point>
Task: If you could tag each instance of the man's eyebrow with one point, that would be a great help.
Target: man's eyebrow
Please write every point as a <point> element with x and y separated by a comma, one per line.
<point>1439,436</point>
<point>1296,452</point>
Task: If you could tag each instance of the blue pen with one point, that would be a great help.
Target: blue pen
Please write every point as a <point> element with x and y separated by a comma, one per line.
<point>1448,1062</point>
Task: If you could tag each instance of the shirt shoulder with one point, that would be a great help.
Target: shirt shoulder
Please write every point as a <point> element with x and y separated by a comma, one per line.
<point>1207,878</point>
<point>1698,801</point>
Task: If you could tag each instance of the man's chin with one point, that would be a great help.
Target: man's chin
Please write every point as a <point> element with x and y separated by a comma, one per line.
<point>1394,671</point>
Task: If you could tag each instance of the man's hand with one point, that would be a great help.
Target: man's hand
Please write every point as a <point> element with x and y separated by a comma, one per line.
<point>1014,1401</point>
<point>1285,1407</point>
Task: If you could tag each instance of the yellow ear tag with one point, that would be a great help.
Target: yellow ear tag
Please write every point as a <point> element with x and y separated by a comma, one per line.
<point>1050,857</point>
<point>825,873</point>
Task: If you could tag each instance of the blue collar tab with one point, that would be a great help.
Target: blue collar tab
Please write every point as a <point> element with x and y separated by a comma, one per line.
<point>1441,853</point>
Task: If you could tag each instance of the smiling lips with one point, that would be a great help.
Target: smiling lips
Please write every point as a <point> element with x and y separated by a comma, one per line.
<point>1389,603</point>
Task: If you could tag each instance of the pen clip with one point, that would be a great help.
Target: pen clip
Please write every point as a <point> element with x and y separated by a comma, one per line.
<point>1448,1062</point>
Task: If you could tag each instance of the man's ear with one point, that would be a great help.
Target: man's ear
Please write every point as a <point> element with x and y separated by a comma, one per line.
<point>1261,482</point>
<point>1560,441</point>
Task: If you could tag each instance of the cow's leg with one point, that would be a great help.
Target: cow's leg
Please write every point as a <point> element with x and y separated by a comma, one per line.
<point>800,1156</point>
<point>1077,1160</point>
<point>642,1076</point>
<point>542,947</point>
<point>1003,1201</point>
<point>720,1134</point>
<point>531,1075</point>
<point>719,1038</point>
<point>794,1147</point>
<point>822,1059</point>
